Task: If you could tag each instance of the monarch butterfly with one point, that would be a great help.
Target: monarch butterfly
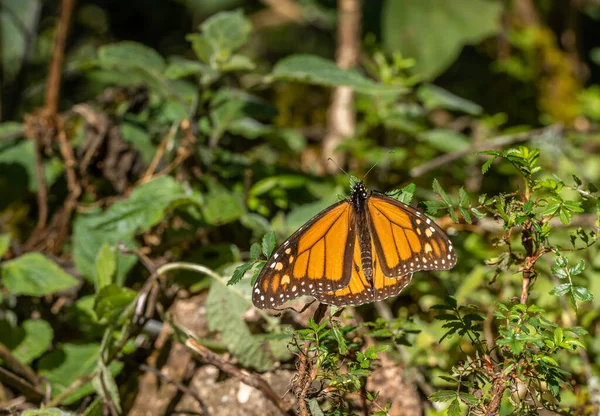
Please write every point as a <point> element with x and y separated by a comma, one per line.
<point>361,249</point>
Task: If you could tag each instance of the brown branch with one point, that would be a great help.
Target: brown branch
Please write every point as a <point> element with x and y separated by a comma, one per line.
<point>494,143</point>
<point>252,380</point>
<point>58,57</point>
<point>29,390</point>
<point>159,154</point>
<point>341,118</point>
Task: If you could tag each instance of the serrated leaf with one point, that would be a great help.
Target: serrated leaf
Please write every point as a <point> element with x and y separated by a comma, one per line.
<point>69,362</point>
<point>239,273</point>
<point>582,293</point>
<point>311,69</point>
<point>565,216</point>
<point>255,250</point>
<point>111,301</point>
<point>268,244</point>
<point>469,399</point>
<point>33,274</point>
<point>106,266</point>
<point>443,396</point>
<point>578,268</point>
<point>487,164</point>
<point>437,188</point>
<point>454,408</point>
<point>28,341</point>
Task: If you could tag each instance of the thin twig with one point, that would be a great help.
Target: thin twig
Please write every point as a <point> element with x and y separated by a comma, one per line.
<point>159,154</point>
<point>341,118</point>
<point>494,143</point>
<point>252,380</point>
<point>183,388</point>
<point>22,385</point>
<point>72,387</point>
<point>58,57</point>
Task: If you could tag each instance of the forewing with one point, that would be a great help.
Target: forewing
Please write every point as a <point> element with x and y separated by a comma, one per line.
<point>405,239</point>
<point>315,259</point>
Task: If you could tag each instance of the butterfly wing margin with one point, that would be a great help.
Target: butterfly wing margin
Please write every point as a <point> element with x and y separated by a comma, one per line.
<point>359,291</point>
<point>300,265</point>
<point>405,239</point>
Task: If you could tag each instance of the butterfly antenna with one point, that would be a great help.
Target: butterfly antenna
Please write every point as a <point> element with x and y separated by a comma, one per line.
<point>338,166</point>
<point>376,163</point>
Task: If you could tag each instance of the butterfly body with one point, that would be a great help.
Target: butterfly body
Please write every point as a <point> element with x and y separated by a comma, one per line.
<point>361,249</point>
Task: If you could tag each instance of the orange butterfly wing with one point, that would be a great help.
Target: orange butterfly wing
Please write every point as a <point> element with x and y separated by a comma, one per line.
<point>405,239</point>
<point>359,291</point>
<point>313,260</point>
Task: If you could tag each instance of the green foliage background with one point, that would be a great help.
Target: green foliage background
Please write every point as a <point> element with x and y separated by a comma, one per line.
<point>190,138</point>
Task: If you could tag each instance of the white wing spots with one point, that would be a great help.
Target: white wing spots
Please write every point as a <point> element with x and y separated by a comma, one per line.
<point>262,298</point>
<point>449,256</point>
<point>257,291</point>
<point>443,261</point>
<point>432,229</point>
<point>294,288</point>
<point>272,266</point>
<point>286,243</point>
<point>450,248</point>
<point>275,255</point>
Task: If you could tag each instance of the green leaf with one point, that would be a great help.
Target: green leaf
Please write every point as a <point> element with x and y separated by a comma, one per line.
<point>434,97</point>
<point>139,139</point>
<point>240,272</point>
<point>106,266</point>
<point>4,243</point>
<point>144,208</point>
<point>560,289</point>
<point>469,399</point>
<point>106,387</point>
<point>315,409</point>
<point>454,408</point>
<point>96,408</point>
<point>437,188</point>
<point>226,31</point>
<point>111,301</point>
<point>222,206</point>
<point>268,244</point>
<point>582,293</point>
<point>88,239</point>
<point>70,362</point>
<point>255,251</point>
<point>443,396</point>
<point>29,341</point>
<point>578,268</point>
<point>225,308</point>
<point>53,411</point>
<point>407,193</point>
<point>131,55</point>
<point>310,69</point>
<point>434,31</point>
<point>33,274</point>
<point>180,68</point>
